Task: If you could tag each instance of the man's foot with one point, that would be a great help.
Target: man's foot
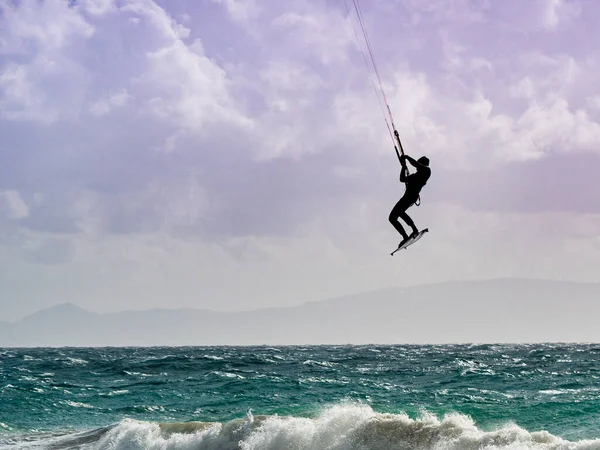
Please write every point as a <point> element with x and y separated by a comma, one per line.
<point>404,240</point>
<point>414,233</point>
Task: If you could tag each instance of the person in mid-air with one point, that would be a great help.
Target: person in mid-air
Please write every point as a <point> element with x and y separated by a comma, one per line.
<point>414,183</point>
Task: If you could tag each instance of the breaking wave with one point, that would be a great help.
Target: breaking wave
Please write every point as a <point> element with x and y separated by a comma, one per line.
<point>340,427</point>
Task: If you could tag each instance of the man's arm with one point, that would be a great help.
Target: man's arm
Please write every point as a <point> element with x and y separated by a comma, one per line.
<point>414,162</point>
<point>403,174</point>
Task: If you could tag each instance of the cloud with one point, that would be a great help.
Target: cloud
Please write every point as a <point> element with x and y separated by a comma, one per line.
<point>444,11</point>
<point>560,183</point>
<point>594,102</point>
<point>37,80</point>
<point>557,12</point>
<point>98,7</point>
<point>188,89</point>
<point>169,145</point>
<point>49,251</point>
<point>12,205</point>
<point>103,106</point>
<point>160,93</point>
<point>33,27</point>
<point>241,10</point>
<point>324,258</point>
<point>176,208</point>
<point>180,84</point>
<point>174,78</point>
<point>318,32</point>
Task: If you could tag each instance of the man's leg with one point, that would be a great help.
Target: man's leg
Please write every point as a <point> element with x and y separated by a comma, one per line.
<point>409,221</point>
<point>397,211</point>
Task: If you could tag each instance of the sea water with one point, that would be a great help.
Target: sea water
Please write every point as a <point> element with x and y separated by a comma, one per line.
<point>462,397</point>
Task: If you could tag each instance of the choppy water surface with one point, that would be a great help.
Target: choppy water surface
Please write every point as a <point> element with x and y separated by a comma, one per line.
<point>302,397</point>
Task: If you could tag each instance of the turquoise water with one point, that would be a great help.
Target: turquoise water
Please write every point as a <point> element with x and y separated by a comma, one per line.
<point>405,397</point>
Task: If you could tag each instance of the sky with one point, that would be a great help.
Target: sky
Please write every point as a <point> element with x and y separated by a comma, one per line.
<point>232,154</point>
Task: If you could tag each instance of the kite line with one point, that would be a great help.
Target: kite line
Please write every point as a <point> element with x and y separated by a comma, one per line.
<point>381,97</point>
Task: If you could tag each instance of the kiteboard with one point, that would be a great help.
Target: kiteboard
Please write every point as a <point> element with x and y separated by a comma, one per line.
<point>411,241</point>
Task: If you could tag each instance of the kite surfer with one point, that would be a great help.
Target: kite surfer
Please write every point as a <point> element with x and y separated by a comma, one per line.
<point>414,183</point>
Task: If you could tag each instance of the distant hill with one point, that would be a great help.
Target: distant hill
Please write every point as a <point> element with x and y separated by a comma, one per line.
<point>505,310</point>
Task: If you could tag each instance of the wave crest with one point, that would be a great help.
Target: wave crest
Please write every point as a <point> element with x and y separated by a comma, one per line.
<point>339,427</point>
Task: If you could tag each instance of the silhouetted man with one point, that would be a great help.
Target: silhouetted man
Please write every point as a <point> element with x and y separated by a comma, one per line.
<point>414,183</point>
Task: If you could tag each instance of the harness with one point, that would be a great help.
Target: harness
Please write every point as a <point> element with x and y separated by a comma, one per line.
<point>405,169</point>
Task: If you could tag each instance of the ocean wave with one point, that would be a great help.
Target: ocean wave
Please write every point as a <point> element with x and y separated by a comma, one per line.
<point>338,427</point>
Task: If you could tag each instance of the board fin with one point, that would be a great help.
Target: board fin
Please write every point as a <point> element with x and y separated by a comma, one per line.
<point>411,240</point>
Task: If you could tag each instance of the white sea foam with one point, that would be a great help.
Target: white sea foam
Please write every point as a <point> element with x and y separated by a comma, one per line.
<point>340,427</point>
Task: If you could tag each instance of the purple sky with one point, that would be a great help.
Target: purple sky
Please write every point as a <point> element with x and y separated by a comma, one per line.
<point>231,154</point>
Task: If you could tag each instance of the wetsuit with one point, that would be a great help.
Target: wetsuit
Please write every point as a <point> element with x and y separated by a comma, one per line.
<point>414,183</point>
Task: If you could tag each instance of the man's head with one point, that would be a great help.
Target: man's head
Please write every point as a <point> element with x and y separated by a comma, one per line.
<point>423,160</point>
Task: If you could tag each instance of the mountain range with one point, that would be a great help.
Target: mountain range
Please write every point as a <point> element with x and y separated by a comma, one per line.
<point>487,311</point>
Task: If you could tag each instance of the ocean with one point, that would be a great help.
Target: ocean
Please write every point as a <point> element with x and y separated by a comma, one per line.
<point>446,397</point>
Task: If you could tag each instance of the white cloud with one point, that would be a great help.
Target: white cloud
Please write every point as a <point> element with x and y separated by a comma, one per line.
<point>552,74</point>
<point>315,31</point>
<point>524,88</point>
<point>33,85</point>
<point>18,99</point>
<point>480,64</point>
<point>295,95</point>
<point>179,83</point>
<point>544,127</point>
<point>167,26</point>
<point>556,12</point>
<point>103,106</point>
<point>594,102</point>
<point>241,10</point>
<point>174,207</point>
<point>188,89</point>
<point>290,76</point>
<point>431,114</point>
<point>41,27</point>
<point>340,252</point>
<point>550,14</point>
<point>98,7</point>
<point>455,129</point>
<point>348,172</point>
<point>286,84</point>
<point>462,12</point>
<point>553,126</point>
<point>458,61</point>
<point>12,205</point>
